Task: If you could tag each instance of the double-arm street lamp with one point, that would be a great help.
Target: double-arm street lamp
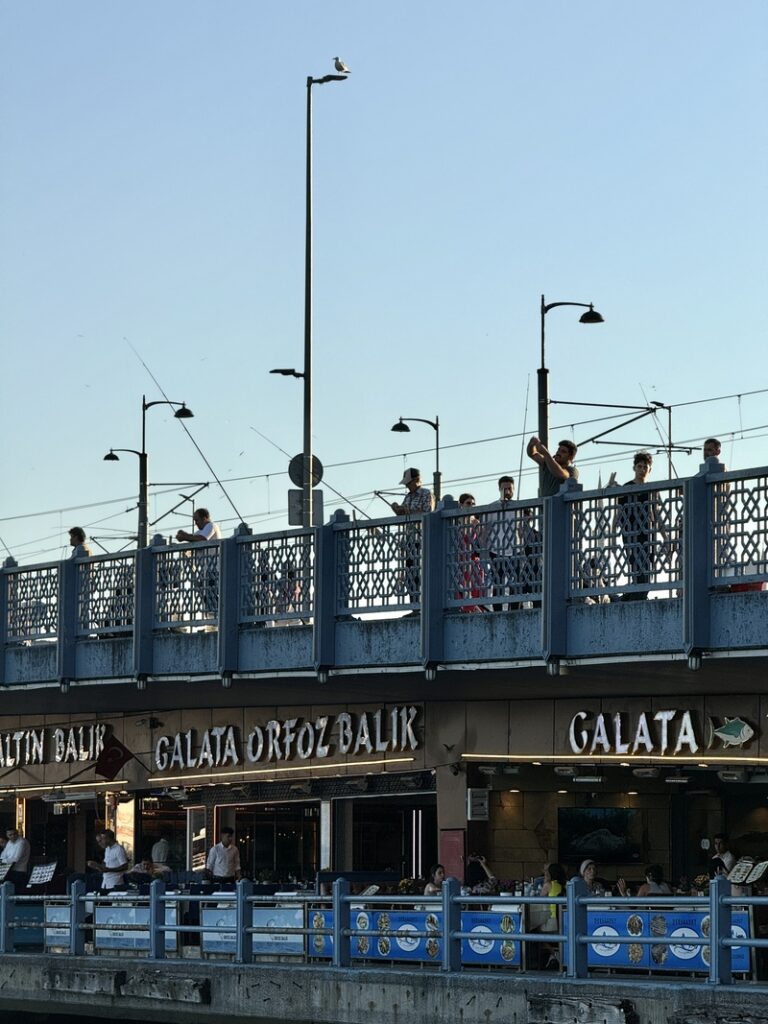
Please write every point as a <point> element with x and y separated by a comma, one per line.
<point>590,317</point>
<point>181,413</point>
<point>401,427</point>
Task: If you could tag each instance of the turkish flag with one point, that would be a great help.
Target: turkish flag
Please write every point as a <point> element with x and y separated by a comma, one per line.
<point>113,756</point>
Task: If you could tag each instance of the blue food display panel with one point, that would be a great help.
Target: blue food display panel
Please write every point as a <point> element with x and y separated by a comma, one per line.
<point>400,938</point>
<point>491,951</point>
<point>272,943</point>
<point>118,914</point>
<point>685,956</point>
<point>659,957</point>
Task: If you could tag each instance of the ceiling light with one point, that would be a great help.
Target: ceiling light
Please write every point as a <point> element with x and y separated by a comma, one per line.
<point>677,779</point>
<point>562,791</point>
<point>588,778</point>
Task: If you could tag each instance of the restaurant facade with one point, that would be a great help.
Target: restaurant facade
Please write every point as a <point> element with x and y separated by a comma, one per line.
<point>397,786</point>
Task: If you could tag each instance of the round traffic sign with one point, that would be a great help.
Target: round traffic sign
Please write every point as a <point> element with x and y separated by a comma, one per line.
<point>296,470</point>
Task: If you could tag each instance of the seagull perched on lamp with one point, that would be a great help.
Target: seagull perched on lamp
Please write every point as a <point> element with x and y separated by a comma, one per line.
<point>340,66</point>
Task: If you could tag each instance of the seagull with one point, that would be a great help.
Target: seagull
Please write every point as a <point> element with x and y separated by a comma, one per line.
<point>341,66</point>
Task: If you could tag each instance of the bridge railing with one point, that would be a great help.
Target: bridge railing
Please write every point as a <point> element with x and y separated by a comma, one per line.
<point>106,594</point>
<point>626,541</point>
<point>707,532</point>
<point>494,555</point>
<point>277,577</point>
<point>706,936</point>
<point>32,602</point>
<point>738,511</point>
<point>379,565</point>
<point>186,585</point>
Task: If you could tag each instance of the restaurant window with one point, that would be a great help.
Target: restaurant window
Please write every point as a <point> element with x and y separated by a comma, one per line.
<point>279,843</point>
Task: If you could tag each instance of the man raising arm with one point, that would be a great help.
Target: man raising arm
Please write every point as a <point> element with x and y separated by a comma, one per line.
<point>557,468</point>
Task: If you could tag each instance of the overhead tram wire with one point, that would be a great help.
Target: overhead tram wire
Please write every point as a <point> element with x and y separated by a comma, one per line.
<point>354,462</point>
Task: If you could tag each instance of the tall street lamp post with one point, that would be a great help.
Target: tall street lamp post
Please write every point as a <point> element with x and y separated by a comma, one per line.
<point>307,375</point>
<point>182,413</point>
<point>590,317</point>
<point>401,427</point>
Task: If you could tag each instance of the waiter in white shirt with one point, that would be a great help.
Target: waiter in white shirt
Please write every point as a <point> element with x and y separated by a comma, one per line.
<point>224,859</point>
<point>16,855</point>
<point>115,862</point>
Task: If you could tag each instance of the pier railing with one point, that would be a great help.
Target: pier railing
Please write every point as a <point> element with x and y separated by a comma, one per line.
<point>701,938</point>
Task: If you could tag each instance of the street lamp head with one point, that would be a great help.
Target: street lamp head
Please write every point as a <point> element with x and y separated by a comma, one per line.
<point>184,413</point>
<point>287,372</point>
<point>591,316</point>
<point>111,457</point>
<point>401,428</point>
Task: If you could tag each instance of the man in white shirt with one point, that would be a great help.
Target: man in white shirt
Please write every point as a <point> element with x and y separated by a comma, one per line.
<point>720,845</point>
<point>206,529</point>
<point>115,862</point>
<point>161,850</point>
<point>224,858</point>
<point>16,855</point>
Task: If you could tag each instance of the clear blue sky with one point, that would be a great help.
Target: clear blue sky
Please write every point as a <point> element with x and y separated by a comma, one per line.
<point>151,189</point>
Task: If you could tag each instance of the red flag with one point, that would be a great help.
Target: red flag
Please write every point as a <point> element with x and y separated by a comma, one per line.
<point>112,758</point>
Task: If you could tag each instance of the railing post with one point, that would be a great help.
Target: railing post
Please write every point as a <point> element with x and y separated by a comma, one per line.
<point>144,611</point>
<point>77,918</point>
<point>433,576</point>
<point>342,915</point>
<point>451,924</point>
<point>719,928</point>
<point>229,602</point>
<point>9,563</point>
<point>67,625</point>
<point>697,559</point>
<point>156,920</point>
<point>243,921</point>
<point>326,591</point>
<point>557,563</point>
<point>7,892</point>
<point>576,963</point>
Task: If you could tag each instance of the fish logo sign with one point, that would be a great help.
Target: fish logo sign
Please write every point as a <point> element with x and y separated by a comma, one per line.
<point>735,732</point>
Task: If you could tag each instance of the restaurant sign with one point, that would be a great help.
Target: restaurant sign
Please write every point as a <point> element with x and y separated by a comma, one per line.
<point>664,733</point>
<point>39,746</point>
<point>377,732</point>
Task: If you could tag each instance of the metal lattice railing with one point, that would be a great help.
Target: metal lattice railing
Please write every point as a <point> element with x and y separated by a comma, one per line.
<point>627,540</point>
<point>379,565</point>
<point>276,578</point>
<point>738,507</point>
<point>33,602</point>
<point>105,594</point>
<point>187,585</point>
<point>494,556</point>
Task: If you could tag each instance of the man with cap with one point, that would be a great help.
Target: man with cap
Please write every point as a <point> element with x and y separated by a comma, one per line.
<point>417,500</point>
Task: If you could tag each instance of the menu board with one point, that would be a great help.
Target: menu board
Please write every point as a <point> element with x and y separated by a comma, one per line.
<point>747,872</point>
<point>223,916</point>
<point>116,938</point>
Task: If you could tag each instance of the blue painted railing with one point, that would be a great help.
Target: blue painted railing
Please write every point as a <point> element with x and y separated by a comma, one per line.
<point>452,932</point>
<point>684,539</point>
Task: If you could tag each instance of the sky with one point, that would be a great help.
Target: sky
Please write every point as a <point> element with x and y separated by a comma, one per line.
<point>479,155</point>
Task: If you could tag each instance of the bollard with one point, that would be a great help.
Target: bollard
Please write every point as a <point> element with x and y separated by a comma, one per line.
<point>341,917</point>
<point>576,966</point>
<point>243,921</point>
<point>7,892</point>
<point>719,928</point>
<point>451,924</point>
<point>77,918</point>
<point>156,920</point>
